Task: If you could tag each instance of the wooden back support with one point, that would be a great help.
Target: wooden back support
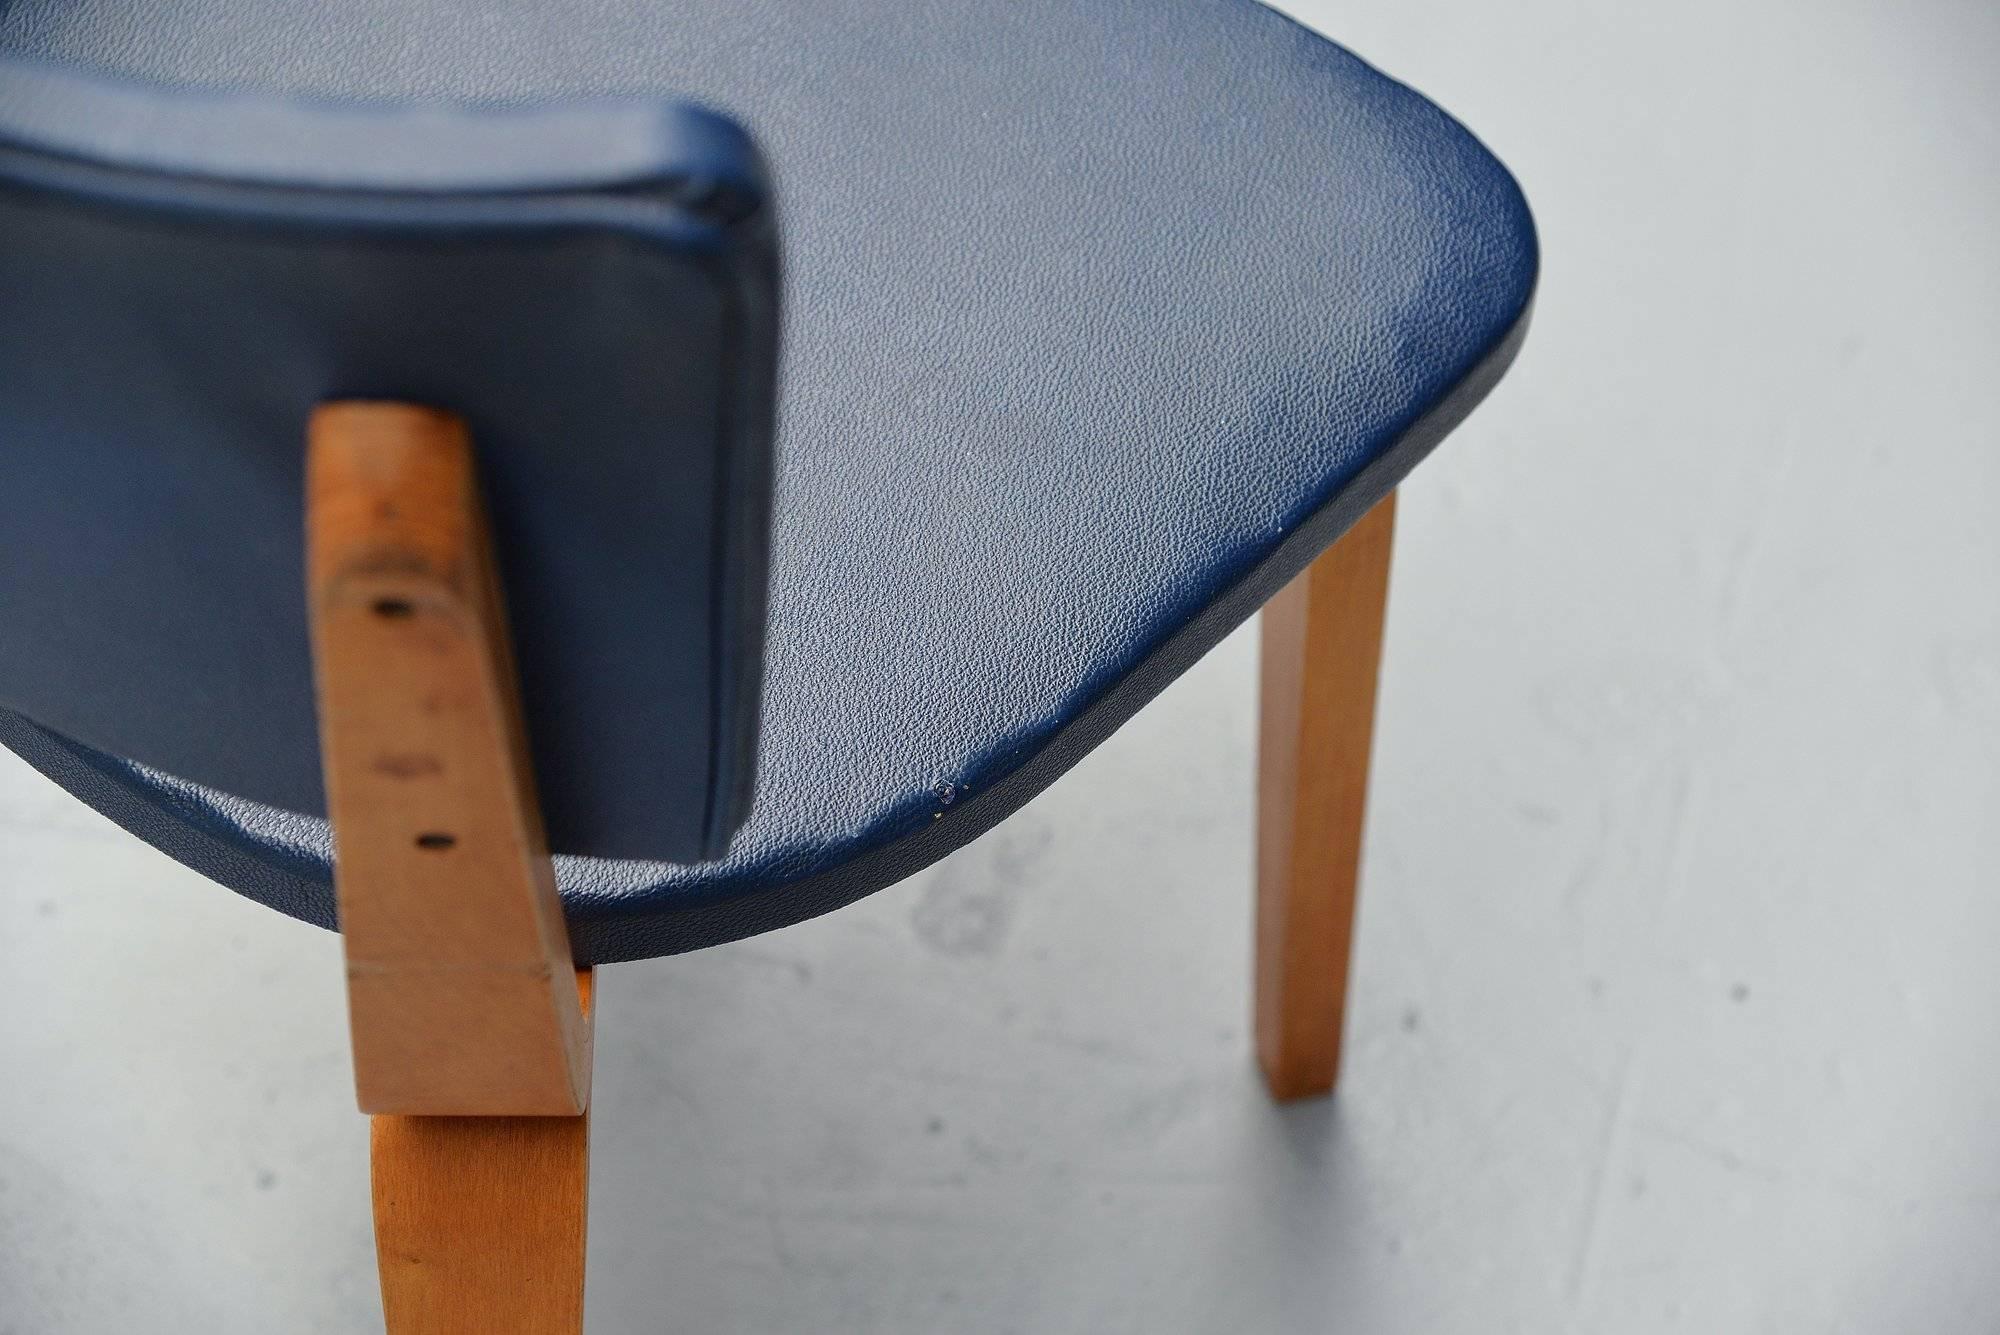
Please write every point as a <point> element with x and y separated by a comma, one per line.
<point>472,1037</point>
<point>460,988</point>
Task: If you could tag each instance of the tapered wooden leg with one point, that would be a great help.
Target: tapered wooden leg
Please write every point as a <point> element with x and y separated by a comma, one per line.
<point>479,1221</point>
<point>1322,645</point>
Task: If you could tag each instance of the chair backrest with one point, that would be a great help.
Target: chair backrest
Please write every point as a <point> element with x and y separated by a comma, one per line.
<point>183,276</point>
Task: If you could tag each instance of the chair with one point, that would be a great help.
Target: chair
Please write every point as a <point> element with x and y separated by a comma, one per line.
<point>1102,327</point>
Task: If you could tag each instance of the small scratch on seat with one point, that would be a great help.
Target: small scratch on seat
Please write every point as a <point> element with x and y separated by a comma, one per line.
<point>1617,1122</point>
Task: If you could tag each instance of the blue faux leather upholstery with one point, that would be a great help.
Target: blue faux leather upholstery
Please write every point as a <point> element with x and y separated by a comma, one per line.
<point>1102,320</point>
<point>592,285</point>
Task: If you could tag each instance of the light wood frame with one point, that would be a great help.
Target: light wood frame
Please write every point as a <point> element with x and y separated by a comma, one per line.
<point>472,1036</point>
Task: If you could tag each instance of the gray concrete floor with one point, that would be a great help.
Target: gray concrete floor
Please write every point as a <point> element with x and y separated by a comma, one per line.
<point>1676,982</point>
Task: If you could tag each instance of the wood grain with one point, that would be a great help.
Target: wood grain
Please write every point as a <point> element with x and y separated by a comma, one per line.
<point>480,1222</point>
<point>458,965</point>
<point>1322,648</point>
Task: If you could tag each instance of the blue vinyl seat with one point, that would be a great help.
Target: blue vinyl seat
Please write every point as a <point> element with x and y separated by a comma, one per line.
<point>1101,321</point>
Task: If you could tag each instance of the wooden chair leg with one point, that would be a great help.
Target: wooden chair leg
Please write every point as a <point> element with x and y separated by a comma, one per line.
<point>1322,646</point>
<point>480,1221</point>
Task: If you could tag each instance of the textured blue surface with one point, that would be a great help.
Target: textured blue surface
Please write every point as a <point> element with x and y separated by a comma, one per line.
<point>1102,320</point>
<point>593,286</point>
